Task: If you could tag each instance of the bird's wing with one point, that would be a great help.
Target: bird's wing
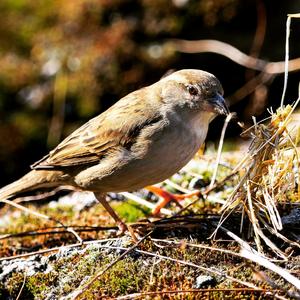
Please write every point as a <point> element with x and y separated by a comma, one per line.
<point>91,142</point>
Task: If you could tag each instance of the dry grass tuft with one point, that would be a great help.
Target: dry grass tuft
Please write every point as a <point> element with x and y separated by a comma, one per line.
<point>269,176</point>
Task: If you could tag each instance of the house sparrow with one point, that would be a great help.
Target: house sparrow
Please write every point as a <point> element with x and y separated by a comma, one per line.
<point>142,139</point>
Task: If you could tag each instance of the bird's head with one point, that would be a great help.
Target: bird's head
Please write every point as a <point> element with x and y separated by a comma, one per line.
<point>195,90</point>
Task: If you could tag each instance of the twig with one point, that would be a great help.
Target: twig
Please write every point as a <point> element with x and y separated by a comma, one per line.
<point>252,217</point>
<point>55,249</point>
<point>257,43</point>
<point>255,257</point>
<point>197,246</point>
<point>226,122</point>
<point>37,214</point>
<point>226,251</point>
<point>156,261</point>
<point>144,202</point>
<point>210,290</point>
<point>225,49</point>
<point>251,254</point>
<point>286,66</point>
<point>75,295</point>
<point>23,208</point>
<point>260,32</point>
<point>22,287</point>
<point>51,230</point>
<point>177,186</point>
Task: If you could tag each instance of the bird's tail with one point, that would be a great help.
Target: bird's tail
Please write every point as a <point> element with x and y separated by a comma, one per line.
<point>33,180</point>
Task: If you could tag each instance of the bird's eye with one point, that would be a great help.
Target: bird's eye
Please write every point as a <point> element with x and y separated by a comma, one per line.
<point>192,90</point>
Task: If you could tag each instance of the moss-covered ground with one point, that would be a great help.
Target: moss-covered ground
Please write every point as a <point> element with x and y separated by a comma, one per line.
<point>175,262</point>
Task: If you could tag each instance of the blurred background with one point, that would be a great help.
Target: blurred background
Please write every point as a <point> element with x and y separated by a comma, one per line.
<point>63,62</point>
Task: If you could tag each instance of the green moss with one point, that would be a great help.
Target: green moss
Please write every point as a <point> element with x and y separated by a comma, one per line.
<point>136,273</point>
<point>123,278</point>
<point>38,284</point>
<point>130,212</point>
<point>35,286</point>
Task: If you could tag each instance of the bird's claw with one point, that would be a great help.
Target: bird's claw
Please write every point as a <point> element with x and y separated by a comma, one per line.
<point>123,228</point>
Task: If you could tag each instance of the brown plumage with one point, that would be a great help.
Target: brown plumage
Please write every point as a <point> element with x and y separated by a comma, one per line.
<point>142,139</point>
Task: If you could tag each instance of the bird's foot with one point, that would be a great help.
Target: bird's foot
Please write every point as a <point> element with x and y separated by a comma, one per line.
<point>123,228</point>
<point>166,197</point>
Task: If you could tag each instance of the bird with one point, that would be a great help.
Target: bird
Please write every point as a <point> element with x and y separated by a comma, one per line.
<point>141,140</point>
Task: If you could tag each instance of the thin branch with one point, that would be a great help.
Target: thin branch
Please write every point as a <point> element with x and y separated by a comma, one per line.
<point>261,27</point>
<point>179,244</point>
<point>259,36</point>
<point>22,287</point>
<point>227,50</point>
<point>210,290</point>
<point>286,67</point>
<point>251,254</point>
<point>255,257</point>
<point>56,230</point>
<point>39,215</point>
<point>55,249</point>
<point>177,186</point>
<point>144,202</point>
<point>226,122</point>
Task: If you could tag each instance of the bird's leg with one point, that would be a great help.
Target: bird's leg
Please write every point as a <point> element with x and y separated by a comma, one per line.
<point>101,198</point>
<point>167,197</point>
<point>121,225</point>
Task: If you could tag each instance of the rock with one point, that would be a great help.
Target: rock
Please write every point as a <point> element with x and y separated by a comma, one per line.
<point>203,281</point>
<point>292,219</point>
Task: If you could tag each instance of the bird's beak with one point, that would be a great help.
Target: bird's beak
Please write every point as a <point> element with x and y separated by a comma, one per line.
<point>219,104</point>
